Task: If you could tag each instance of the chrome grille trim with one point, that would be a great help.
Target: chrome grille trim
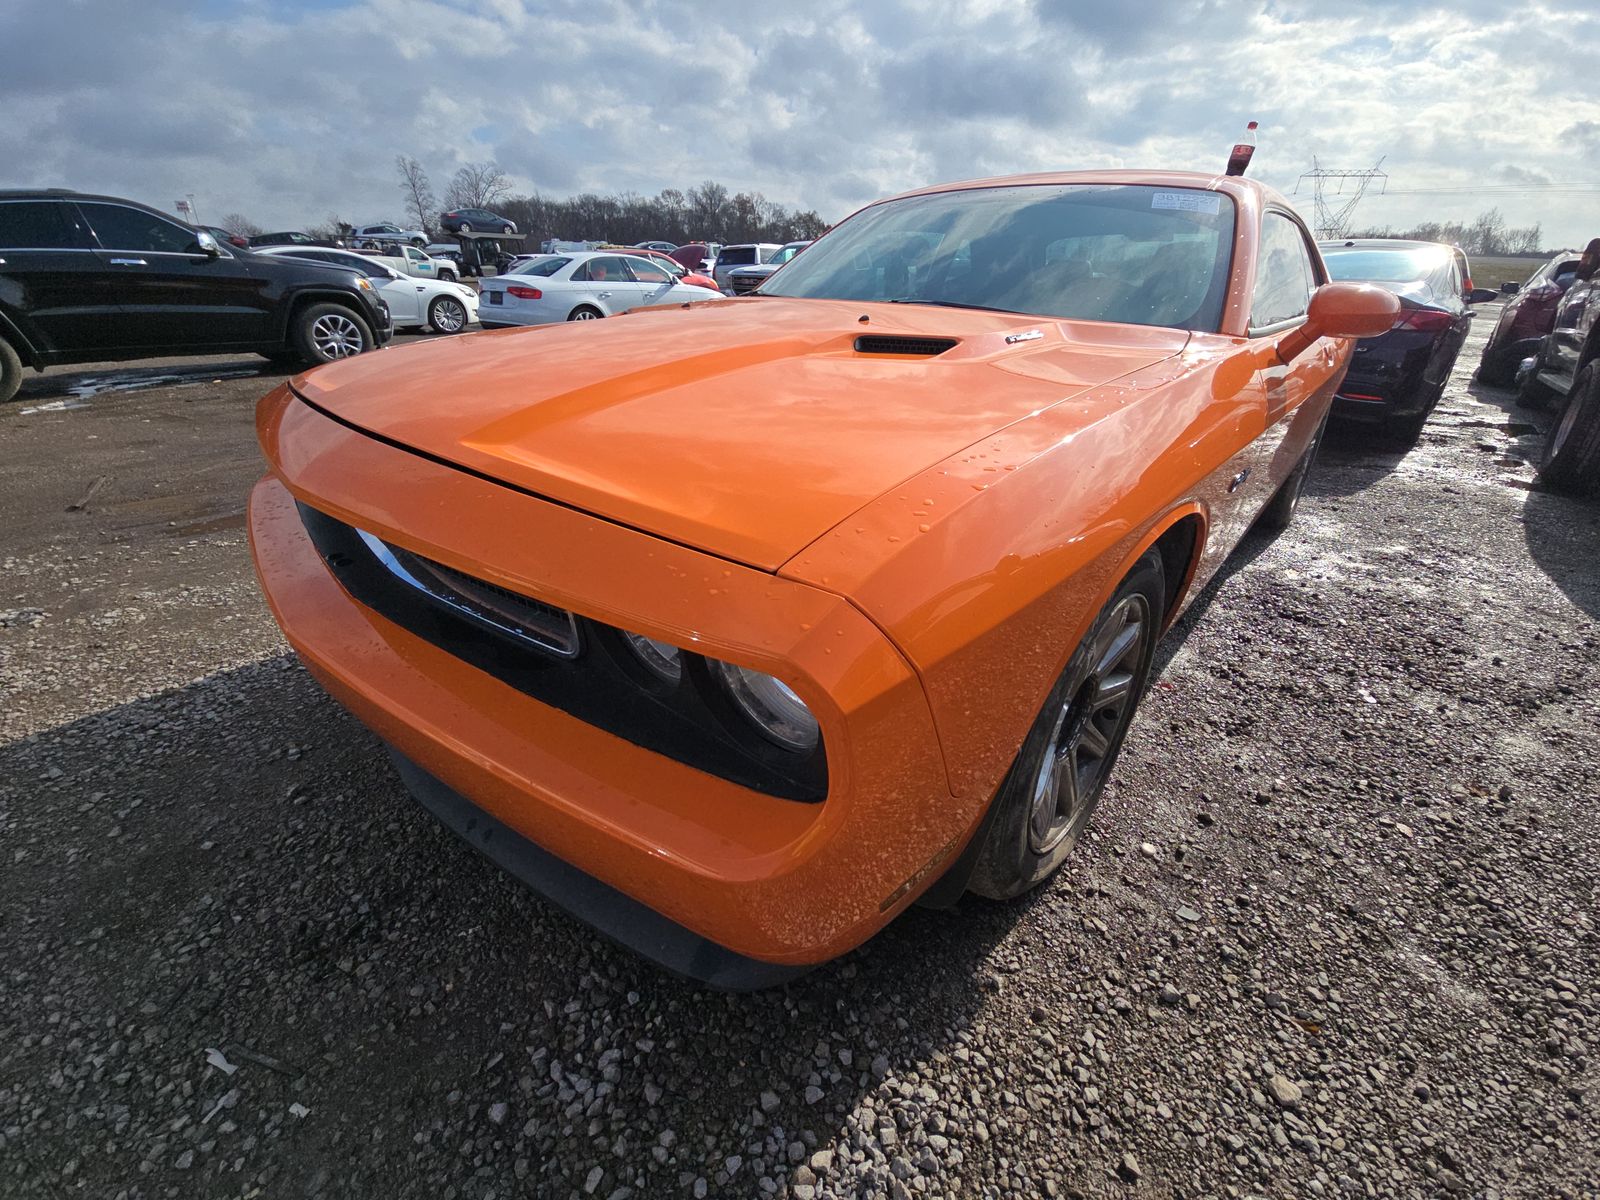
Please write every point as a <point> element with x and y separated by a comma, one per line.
<point>551,629</point>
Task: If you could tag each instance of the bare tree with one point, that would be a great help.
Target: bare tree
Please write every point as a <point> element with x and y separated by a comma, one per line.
<point>420,205</point>
<point>241,225</point>
<point>332,229</point>
<point>477,185</point>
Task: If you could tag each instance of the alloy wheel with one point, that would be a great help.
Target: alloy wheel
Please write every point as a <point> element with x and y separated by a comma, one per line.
<point>449,316</point>
<point>1088,728</point>
<point>336,336</point>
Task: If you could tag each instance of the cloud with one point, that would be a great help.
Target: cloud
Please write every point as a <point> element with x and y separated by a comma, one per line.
<point>289,110</point>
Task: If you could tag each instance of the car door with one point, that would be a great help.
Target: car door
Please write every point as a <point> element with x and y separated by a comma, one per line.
<point>656,283</point>
<point>1286,419</point>
<point>419,264</point>
<point>52,291</point>
<point>170,293</point>
<point>609,283</point>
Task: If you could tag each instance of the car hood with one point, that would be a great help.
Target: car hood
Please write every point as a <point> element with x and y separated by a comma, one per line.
<point>746,428</point>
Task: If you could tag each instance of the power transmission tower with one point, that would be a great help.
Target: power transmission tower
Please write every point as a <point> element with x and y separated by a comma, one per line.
<point>1336,207</point>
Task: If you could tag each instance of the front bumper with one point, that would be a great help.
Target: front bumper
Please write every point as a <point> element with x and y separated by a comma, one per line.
<point>764,879</point>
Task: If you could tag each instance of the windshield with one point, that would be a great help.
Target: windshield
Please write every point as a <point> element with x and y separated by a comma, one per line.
<point>1129,253</point>
<point>1380,266</point>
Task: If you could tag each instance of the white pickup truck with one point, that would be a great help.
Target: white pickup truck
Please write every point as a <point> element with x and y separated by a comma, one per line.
<point>414,262</point>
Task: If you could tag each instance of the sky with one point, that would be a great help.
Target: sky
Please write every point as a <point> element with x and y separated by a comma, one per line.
<point>289,111</point>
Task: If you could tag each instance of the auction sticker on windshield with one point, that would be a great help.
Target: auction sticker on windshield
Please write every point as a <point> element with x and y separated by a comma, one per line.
<point>1202,202</point>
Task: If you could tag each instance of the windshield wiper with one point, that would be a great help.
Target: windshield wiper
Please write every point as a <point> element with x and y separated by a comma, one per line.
<point>951,304</point>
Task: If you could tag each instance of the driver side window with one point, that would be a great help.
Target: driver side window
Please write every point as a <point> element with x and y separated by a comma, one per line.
<point>1284,275</point>
<point>120,228</point>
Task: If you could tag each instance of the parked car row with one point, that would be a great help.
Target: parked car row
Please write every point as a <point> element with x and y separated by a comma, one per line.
<point>1564,372</point>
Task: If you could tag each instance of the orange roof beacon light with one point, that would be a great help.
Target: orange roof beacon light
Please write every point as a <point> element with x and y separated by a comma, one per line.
<point>1243,150</point>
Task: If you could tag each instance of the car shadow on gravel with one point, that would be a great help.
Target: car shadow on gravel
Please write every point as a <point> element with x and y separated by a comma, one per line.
<point>1563,536</point>
<point>234,865</point>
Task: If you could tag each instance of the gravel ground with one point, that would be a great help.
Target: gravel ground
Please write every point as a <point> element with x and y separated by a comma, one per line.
<point>1334,934</point>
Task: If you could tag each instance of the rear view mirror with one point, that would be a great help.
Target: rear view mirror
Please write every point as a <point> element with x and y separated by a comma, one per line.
<point>1482,295</point>
<point>1354,310</point>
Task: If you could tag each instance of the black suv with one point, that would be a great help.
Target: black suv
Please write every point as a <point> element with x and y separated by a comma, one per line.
<point>94,279</point>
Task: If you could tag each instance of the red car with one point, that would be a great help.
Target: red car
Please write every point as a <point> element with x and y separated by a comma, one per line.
<point>1525,319</point>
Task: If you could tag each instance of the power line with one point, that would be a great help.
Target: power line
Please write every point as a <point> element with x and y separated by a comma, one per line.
<point>1334,208</point>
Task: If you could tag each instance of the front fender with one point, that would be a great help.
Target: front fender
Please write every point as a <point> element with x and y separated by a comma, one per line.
<point>987,569</point>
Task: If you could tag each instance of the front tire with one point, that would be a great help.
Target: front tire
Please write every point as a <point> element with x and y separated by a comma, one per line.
<point>1053,786</point>
<point>585,312</point>
<point>508,228</point>
<point>325,333</point>
<point>1571,459</point>
<point>447,315</point>
<point>10,371</point>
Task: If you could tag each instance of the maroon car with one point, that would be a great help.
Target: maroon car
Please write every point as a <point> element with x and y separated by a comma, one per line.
<point>1525,319</point>
<point>693,256</point>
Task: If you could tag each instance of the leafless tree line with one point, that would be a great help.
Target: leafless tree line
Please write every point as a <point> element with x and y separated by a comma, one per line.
<point>1487,235</point>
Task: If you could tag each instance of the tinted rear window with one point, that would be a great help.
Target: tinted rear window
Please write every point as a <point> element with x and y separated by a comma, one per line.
<point>737,256</point>
<point>38,225</point>
<point>1381,266</point>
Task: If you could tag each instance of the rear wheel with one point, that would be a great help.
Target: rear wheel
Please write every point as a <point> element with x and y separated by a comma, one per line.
<point>585,312</point>
<point>325,333</point>
<point>1571,460</point>
<point>10,371</point>
<point>466,227</point>
<point>447,315</point>
<point>1051,790</point>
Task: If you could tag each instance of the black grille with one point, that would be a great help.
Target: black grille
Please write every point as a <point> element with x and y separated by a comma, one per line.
<point>515,638</point>
<point>883,343</point>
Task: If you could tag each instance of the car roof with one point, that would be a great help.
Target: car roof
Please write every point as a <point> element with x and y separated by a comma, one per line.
<point>69,194</point>
<point>1174,179</point>
<point>1382,244</point>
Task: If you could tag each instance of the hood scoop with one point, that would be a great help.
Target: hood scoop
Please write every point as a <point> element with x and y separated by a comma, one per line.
<point>882,343</point>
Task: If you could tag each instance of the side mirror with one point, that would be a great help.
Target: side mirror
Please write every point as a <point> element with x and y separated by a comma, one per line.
<point>1482,295</point>
<point>1510,289</point>
<point>206,244</point>
<point>1353,310</point>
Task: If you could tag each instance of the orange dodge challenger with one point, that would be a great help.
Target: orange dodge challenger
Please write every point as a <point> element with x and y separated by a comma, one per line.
<point>736,628</point>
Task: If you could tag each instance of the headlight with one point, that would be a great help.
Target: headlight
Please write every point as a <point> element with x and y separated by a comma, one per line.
<point>363,282</point>
<point>771,706</point>
<point>661,660</point>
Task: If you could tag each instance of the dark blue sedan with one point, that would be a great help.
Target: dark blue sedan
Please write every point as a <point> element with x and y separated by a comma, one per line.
<point>1396,379</point>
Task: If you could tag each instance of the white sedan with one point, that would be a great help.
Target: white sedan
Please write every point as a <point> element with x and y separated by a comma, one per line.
<point>445,307</point>
<point>579,287</point>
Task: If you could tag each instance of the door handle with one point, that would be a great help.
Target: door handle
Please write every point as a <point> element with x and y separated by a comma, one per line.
<point>1237,481</point>
<point>129,262</point>
<point>605,296</point>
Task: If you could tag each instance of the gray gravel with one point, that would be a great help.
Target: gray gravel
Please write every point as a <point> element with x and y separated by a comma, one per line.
<point>1334,933</point>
